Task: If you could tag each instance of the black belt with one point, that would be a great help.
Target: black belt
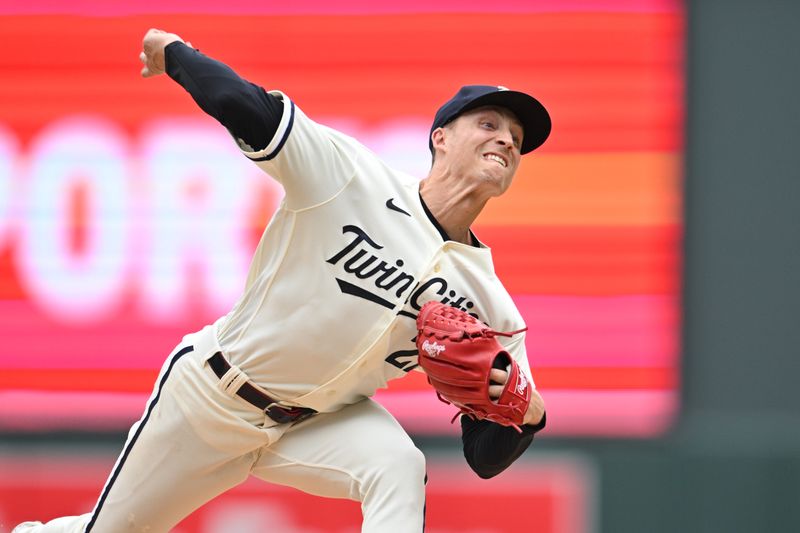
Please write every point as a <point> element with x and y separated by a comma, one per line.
<point>250,394</point>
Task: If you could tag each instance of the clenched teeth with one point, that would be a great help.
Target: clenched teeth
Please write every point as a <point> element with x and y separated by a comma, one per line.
<point>497,158</point>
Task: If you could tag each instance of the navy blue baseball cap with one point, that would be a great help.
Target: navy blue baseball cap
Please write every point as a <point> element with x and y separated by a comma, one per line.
<point>531,113</point>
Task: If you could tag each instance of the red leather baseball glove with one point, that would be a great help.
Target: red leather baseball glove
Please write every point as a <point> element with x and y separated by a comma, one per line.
<point>457,352</point>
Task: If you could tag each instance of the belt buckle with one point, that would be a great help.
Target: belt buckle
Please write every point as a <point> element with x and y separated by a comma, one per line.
<point>278,413</point>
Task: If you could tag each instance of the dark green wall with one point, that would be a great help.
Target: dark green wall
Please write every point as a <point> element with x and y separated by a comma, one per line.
<point>742,307</point>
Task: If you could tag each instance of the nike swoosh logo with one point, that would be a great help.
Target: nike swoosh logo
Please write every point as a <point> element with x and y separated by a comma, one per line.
<point>390,205</point>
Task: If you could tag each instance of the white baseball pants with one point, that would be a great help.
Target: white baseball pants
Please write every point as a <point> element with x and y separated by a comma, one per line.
<point>196,441</point>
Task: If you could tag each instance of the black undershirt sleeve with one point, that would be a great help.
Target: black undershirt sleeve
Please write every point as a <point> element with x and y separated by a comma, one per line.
<point>491,448</point>
<point>245,109</point>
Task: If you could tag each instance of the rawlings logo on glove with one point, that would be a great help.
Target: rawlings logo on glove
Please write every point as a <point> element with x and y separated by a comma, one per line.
<point>457,352</point>
<point>432,348</point>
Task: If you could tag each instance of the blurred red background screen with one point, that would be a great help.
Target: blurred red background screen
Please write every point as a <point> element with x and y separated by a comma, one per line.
<point>127,216</point>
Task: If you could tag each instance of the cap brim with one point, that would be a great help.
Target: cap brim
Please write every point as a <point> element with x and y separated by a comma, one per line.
<point>531,113</point>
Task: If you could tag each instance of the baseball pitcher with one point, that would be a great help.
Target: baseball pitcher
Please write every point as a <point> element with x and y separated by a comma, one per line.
<point>363,275</point>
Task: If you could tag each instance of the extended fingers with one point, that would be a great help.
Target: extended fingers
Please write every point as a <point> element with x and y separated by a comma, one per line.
<point>497,382</point>
<point>498,376</point>
<point>495,391</point>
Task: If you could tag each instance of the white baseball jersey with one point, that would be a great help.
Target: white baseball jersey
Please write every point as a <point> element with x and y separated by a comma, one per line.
<point>328,312</point>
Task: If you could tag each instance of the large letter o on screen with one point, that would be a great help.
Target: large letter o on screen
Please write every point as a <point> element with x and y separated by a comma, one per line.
<point>76,284</point>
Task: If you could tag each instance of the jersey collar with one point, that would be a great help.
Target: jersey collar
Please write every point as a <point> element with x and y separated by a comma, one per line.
<point>445,237</point>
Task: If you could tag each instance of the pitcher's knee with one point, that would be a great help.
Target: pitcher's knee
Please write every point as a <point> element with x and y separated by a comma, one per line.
<point>410,467</point>
<point>398,473</point>
<point>393,497</point>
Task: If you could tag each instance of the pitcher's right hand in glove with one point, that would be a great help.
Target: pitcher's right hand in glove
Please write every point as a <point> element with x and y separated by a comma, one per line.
<point>461,355</point>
